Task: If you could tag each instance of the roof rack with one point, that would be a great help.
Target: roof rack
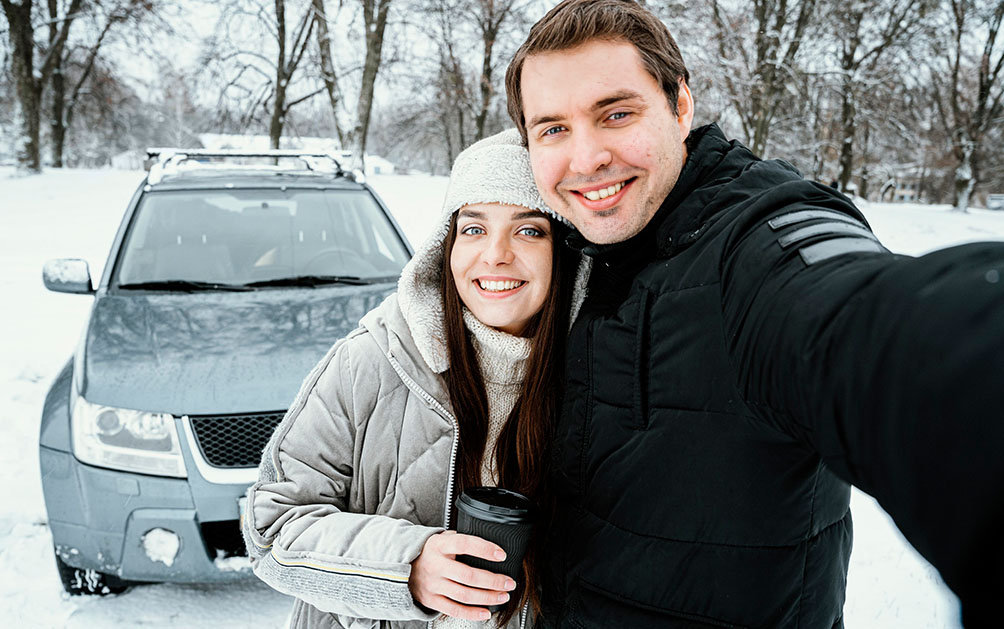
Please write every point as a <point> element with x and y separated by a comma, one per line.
<point>170,159</point>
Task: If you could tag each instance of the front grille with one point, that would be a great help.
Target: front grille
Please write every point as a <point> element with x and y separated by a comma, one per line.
<point>228,441</point>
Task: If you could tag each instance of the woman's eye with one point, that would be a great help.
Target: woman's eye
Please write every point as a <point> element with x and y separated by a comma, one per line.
<point>533,232</point>
<point>473,230</point>
<point>553,130</point>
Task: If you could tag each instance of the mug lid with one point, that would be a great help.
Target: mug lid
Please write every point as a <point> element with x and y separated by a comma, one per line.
<point>496,500</point>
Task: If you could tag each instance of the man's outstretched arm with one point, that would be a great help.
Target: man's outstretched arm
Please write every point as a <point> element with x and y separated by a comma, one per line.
<point>891,367</point>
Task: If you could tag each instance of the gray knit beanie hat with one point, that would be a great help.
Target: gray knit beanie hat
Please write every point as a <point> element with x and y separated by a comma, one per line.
<point>494,170</point>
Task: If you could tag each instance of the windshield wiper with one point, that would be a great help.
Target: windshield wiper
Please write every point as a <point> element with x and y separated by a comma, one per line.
<point>311,280</point>
<point>185,286</point>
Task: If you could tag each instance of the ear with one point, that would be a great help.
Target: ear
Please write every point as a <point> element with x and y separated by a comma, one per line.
<point>685,109</point>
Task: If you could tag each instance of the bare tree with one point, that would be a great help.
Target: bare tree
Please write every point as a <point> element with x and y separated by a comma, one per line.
<point>453,100</point>
<point>971,104</point>
<point>865,33</point>
<point>83,56</point>
<point>286,66</point>
<point>759,42</point>
<point>258,67</point>
<point>375,14</point>
<point>30,80</point>
<point>329,75</point>
<point>490,17</point>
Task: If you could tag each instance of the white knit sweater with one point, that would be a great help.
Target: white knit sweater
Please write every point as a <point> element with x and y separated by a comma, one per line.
<point>502,358</point>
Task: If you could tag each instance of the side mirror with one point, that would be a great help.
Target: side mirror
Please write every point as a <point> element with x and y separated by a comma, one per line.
<point>68,275</point>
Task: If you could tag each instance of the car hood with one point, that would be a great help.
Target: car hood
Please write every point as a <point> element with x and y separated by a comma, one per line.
<point>209,353</point>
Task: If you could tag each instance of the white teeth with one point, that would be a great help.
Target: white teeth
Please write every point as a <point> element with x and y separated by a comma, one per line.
<point>499,286</point>
<point>596,195</point>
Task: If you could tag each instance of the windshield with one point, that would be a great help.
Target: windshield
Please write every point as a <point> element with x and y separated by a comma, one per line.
<point>243,236</point>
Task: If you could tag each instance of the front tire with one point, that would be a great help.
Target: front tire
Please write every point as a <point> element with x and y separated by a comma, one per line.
<point>81,582</point>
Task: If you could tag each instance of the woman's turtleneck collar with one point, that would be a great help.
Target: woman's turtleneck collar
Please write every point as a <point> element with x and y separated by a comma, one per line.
<point>501,356</point>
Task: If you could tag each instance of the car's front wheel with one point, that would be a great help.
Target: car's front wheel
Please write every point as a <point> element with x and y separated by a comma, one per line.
<point>81,582</point>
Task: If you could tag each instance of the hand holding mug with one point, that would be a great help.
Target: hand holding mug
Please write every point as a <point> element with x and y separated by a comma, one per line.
<point>441,583</point>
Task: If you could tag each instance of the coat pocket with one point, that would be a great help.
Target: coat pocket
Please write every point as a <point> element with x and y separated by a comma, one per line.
<point>619,362</point>
<point>642,342</point>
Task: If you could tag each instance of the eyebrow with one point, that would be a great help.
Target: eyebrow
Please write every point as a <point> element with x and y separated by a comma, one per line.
<point>517,216</point>
<point>616,97</point>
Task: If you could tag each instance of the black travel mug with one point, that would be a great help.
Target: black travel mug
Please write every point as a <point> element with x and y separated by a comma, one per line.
<point>500,516</point>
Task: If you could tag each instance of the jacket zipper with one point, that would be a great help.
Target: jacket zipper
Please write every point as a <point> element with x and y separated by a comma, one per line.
<point>439,408</point>
<point>433,402</point>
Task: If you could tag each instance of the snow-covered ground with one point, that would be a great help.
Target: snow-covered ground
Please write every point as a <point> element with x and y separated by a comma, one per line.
<point>75,213</point>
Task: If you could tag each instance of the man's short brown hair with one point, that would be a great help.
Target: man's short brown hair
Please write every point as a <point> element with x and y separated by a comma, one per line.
<point>575,22</point>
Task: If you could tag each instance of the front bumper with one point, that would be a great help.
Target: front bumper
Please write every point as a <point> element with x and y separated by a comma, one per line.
<point>99,519</point>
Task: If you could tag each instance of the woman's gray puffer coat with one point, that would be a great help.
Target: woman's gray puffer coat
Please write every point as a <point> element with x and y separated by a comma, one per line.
<point>371,432</point>
<point>359,473</point>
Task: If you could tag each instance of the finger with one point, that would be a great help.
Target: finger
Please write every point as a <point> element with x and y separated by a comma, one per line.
<point>477,578</point>
<point>452,608</point>
<point>461,544</point>
<point>472,596</point>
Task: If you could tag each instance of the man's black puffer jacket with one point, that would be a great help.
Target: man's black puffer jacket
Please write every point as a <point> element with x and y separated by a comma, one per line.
<point>735,366</point>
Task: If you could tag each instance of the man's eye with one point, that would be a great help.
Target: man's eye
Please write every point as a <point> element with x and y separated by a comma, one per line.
<point>619,115</point>
<point>473,230</point>
<point>553,130</point>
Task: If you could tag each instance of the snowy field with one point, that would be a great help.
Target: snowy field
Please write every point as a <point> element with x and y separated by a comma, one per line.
<point>76,214</point>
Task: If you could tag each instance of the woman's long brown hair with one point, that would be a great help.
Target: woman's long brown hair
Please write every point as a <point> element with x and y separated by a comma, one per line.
<point>521,452</point>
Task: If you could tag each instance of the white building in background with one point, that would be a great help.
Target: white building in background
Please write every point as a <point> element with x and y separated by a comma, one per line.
<point>375,165</point>
<point>133,159</point>
<point>905,183</point>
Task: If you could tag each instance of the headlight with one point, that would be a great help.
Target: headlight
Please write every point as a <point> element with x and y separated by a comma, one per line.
<point>124,439</point>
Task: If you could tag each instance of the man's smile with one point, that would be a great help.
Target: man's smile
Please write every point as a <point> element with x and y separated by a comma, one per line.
<point>603,196</point>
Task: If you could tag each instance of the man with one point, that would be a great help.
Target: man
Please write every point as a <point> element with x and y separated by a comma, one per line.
<point>748,349</point>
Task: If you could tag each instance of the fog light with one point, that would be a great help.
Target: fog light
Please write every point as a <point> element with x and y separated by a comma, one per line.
<point>161,545</point>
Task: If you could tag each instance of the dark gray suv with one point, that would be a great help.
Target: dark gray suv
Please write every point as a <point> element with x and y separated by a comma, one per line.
<point>225,285</point>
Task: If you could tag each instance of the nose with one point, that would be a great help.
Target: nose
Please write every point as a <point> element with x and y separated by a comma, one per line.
<point>498,250</point>
<point>589,152</point>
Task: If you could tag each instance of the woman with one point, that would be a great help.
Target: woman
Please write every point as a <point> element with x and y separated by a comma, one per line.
<point>450,383</point>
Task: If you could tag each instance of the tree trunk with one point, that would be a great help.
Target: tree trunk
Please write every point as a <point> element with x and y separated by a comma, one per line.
<point>328,75</point>
<point>779,34</point>
<point>863,188</point>
<point>375,20</point>
<point>964,179</point>
<point>278,119</point>
<point>57,123</point>
<point>28,80</point>
<point>28,101</point>
<point>62,107</point>
<point>847,112</point>
<point>486,84</point>
<point>279,103</point>
<point>818,154</point>
<point>760,124</point>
